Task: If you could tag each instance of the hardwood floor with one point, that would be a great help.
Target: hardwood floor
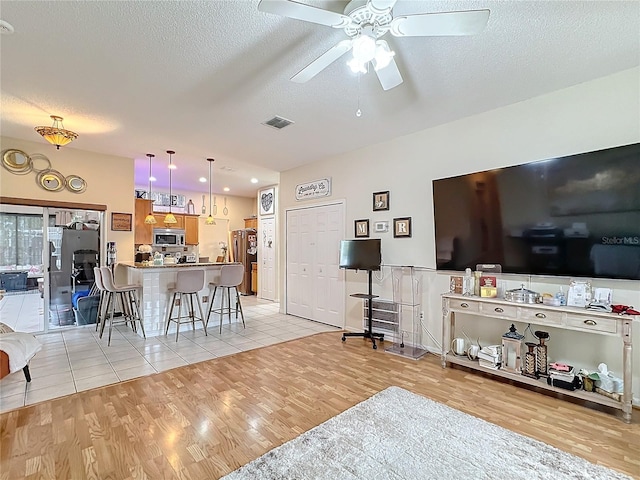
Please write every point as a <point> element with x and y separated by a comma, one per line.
<point>204,420</point>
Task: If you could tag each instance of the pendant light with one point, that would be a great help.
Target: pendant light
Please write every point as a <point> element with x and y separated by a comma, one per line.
<point>170,218</point>
<point>210,220</point>
<point>150,219</point>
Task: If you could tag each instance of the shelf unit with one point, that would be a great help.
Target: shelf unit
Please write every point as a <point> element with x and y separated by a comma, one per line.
<point>566,318</point>
<point>407,294</point>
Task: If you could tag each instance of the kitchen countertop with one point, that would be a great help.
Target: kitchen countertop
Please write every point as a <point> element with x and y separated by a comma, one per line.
<point>173,265</point>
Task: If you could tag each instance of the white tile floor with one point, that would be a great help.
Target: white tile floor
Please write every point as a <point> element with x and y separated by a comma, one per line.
<point>76,359</point>
<point>24,312</point>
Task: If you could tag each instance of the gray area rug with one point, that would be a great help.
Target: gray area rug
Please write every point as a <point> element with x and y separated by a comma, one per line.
<point>397,434</point>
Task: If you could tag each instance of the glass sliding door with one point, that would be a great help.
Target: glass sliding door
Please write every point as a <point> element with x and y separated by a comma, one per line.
<point>47,257</point>
<point>74,250</point>
<point>22,271</point>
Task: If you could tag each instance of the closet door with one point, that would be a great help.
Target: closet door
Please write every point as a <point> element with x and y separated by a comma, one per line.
<point>315,284</point>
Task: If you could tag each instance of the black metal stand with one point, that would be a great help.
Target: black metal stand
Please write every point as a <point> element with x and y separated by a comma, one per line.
<point>368,333</point>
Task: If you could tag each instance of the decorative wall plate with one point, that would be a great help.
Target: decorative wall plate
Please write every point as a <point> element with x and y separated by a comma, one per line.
<point>75,184</point>
<point>17,161</point>
<point>51,180</point>
<point>40,159</point>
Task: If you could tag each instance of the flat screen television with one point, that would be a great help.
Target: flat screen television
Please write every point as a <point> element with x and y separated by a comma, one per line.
<point>360,254</point>
<point>576,216</point>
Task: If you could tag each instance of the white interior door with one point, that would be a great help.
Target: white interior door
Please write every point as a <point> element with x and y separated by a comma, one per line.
<point>267,271</point>
<point>315,285</point>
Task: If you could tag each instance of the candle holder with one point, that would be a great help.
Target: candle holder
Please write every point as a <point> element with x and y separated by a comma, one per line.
<point>530,368</point>
<point>542,364</point>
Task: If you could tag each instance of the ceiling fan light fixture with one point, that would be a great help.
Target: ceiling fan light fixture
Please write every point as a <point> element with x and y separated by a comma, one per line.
<point>384,55</point>
<point>364,47</point>
<point>357,66</point>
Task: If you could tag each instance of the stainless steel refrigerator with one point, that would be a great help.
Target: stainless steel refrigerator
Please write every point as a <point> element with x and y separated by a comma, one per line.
<point>245,250</point>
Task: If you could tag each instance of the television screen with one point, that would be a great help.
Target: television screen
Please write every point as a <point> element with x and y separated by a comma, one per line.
<point>360,254</point>
<point>571,216</point>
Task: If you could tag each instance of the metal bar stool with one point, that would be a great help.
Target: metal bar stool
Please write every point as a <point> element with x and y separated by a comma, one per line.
<point>128,300</point>
<point>189,283</point>
<point>97,275</point>
<point>230,277</point>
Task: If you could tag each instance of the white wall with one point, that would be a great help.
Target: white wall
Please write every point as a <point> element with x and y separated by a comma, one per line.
<point>591,116</point>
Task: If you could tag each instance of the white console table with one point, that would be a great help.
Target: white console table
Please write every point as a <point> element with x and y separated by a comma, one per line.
<point>567,318</point>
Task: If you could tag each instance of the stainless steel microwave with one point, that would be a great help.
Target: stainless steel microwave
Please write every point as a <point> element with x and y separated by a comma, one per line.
<point>168,237</point>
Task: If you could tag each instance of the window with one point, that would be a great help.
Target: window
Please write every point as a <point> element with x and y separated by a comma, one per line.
<point>21,239</point>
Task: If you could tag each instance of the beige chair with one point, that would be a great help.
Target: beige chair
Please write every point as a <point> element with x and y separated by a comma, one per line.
<point>127,295</point>
<point>188,283</point>
<point>230,278</point>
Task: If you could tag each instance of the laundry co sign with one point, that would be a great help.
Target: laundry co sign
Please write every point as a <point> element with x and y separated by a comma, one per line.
<point>317,188</point>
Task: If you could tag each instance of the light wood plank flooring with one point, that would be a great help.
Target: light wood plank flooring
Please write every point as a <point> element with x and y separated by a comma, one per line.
<point>204,420</point>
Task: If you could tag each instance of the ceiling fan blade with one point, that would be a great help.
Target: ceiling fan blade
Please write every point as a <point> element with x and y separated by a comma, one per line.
<point>440,24</point>
<point>307,13</point>
<point>381,6</point>
<point>322,62</point>
<point>389,76</point>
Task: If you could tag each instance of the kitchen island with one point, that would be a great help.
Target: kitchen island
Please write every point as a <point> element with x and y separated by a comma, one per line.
<point>154,282</point>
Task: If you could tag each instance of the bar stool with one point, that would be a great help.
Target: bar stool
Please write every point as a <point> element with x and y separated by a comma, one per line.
<point>230,277</point>
<point>97,275</point>
<point>189,283</point>
<point>127,296</point>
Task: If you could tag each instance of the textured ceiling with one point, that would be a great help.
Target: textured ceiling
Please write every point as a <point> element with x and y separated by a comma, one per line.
<point>199,77</point>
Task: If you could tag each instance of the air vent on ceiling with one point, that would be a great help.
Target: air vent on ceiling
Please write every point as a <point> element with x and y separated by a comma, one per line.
<point>278,122</point>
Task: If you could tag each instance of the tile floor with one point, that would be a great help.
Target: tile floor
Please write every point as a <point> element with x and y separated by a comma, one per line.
<point>24,312</point>
<point>76,359</point>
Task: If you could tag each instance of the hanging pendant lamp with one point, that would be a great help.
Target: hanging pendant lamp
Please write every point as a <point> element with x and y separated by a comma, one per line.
<point>150,219</point>
<point>56,134</point>
<point>170,218</point>
<point>210,220</point>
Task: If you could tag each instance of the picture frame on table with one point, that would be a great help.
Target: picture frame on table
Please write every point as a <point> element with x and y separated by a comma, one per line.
<point>361,228</point>
<point>402,227</point>
<point>380,201</point>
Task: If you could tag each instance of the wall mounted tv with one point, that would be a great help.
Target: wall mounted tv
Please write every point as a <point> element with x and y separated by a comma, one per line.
<point>360,254</point>
<point>576,216</point>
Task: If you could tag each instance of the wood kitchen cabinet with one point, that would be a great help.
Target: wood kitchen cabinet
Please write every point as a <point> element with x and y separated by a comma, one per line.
<point>251,222</point>
<point>191,229</point>
<point>143,232</point>
<point>254,277</point>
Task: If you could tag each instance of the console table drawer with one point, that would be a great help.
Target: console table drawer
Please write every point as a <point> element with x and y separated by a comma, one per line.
<point>463,305</point>
<point>595,324</point>
<point>509,311</point>
<point>544,317</point>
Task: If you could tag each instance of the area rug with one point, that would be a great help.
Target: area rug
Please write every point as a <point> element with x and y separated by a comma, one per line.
<point>397,434</point>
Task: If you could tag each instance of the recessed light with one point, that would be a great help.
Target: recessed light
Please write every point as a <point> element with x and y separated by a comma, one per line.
<point>152,179</point>
<point>226,189</point>
<point>202,179</point>
<point>172,166</point>
<point>254,180</point>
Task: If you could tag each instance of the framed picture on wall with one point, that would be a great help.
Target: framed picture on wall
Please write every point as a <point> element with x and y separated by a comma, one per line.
<point>362,228</point>
<point>402,227</point>
<point>268,201</point>
<point>380,201</point>
<point>121,222</point>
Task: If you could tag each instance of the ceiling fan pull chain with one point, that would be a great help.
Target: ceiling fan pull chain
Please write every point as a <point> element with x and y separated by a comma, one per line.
<point>358,111</point>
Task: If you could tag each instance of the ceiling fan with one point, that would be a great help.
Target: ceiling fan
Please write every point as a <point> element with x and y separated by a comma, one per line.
<point>365,22</point>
